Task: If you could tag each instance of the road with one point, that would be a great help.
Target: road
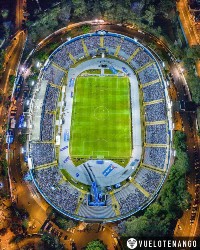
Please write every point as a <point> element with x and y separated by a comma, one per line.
<point>184,228</point>
<point>191,32</point>
<point>19,14</point>
<point>12,59</point>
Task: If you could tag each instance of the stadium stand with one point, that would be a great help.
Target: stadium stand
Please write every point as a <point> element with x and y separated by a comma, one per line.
<point>153,92</point>
<point>53,75</point>
<point>127,49</point>
<point>148,179</point>
<point>140,59</point>
<point>42,153</point>
<point>47,127</point>
<point>156,134</point>
<point>59,194</point>
<point>155,156</point>
<point>76,48</point>
<point>129,198</point>
<point>155,112</point>
<point>51,98</point>
<point>148,74</point>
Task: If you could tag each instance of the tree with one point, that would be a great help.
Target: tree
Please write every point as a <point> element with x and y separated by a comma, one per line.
<point>4,166</point>
<point>11,80</point>
<point>96,245</point>
<point>1,97</point>
<point>150,15</point>
<point>80,8</point>
<point>86,28</point>
<point>51,242</point>
<point>3,231</point>
<point>22,139</point>
<point>64,223</point>
<point>179,140</point>
<point>165,6</point>
<point>2,55</point>
<point>136,226</point>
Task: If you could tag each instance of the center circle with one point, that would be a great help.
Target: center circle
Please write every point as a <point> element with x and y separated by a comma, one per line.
<point>101,113</point>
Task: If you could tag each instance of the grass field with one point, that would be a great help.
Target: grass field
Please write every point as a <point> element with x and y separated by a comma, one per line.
<point>101,118</point>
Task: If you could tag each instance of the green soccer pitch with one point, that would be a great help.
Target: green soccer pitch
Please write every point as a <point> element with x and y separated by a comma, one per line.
<point>101,118</point>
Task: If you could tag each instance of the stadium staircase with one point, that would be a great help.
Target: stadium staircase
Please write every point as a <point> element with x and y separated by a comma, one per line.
<point>149,83</point>
<point>156,123</point>
<point>63,180</point>
<point>85,48</point>
<point>72,58</point>
<point>101,41</point>
<point>59,67</point>
<point>155,145</point>
<point>117,49</point>
<point>50,112</point>
<point>144,66</point>
<point>158,170</point>
<point>133,55</point>
<point>81,199</point>
<point>153,102</point>
<point>44,142</point>
<point>115,204</point>
<point>55,85</point>
<point>138,186</point>
<point>48,165</point>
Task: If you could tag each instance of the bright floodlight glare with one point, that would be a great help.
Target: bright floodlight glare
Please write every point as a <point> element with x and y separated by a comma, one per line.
<point>32,83</point>
<point>22,68</point>
<point>96,20</point>
<point>38,64</point>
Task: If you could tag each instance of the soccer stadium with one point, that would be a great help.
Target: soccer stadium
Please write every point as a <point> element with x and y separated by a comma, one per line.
<point>100,146</point>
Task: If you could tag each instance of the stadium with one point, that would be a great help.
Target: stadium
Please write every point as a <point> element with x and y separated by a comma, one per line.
<point>100,143</point>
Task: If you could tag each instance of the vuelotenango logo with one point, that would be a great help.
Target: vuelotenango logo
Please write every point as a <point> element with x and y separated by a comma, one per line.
<point>133,243</point>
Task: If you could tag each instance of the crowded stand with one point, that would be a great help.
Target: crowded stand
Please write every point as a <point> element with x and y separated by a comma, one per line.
<point>47,127</point>
<point>92,42</point>
<point>155,112</point>
<point>128,47</point>
<point>62,58</point>
<point>140,59</point>
<point>129,198</point>
<point>148,74</point>
<point>155,156</point>
<point>111,42</point>
<point>76,48</point>
<point>53,75</point>
<point>59,194</point>
<point>51,98</point>
<point>42,153</point>
<point>153,92</point>
<point>148,179</point>
<point>156,134</point>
